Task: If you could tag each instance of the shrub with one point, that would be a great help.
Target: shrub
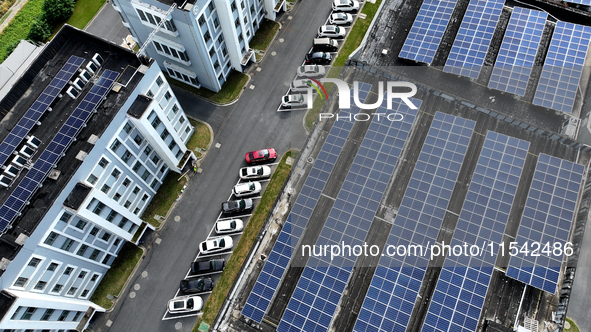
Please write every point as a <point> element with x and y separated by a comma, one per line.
<point>40,30</point>
<point>56,11</point>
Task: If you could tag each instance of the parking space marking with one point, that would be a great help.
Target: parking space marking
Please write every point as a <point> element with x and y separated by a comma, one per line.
<point>203,274</point>
<point>215,254</point>
<point>179,317</point>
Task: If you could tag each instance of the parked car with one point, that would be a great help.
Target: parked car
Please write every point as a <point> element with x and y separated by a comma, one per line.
<point>214,245</point>
<point>229,226</point>
<point>318,58</point>
<point>331,31</point>
<point>213,265</point>
<point>345,5</point>
<point>299,85</point>
<point>240,205</point>
<point>311,71</point>
<point>290,101</point>
<point>341,19</point>
<point>325,45</point>
<point>254,172</point>
<point>183,304</point>
<point>247,189</point>
<point>260,156</point>
<point>199,285</point>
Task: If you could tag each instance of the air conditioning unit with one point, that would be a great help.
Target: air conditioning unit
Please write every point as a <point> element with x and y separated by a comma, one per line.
<point>11,170</point>
<point>34,142</point>
<point>85,76</point>
<point>73,92</point>
<point>19,161</point>
<point>5,181</point>
<point>27,151</point>
<point>92,67</point>
<point>78,83</point>
<point>98,60</point>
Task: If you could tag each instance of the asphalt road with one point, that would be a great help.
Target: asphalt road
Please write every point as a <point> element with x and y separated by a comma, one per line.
<point>251,123</point>
<point>107,24</point>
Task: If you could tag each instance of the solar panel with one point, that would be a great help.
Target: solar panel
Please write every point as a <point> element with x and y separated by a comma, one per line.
<point>460,291</point>
<point>547,218</point>
<point>581,2</point>
<point>32,116</point>
<point>427,30</point>
<point>318,292</point>
<point>518,51</point>
<point>562,69</point>
<point>260,297</point>
<point>26,188</point>
<point>471,44</point>
<point>397,279</point>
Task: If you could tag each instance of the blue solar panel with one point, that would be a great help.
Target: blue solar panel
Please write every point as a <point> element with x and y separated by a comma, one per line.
<point>26,123</point>
<point>318,292</point>
<point>472,41</point>
<point>23,192</point>
<point>397,279</point>
<point>547,218</point>
<point>260,297</point>
<point>518,51</point>
<point>427,30</point>
<point>562,70</point>
<point>460,291</point>
<point>581,2</point>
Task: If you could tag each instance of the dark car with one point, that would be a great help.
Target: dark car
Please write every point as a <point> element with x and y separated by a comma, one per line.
<point>237,206</point>
<point>318,58</point>
<point>258,156</point>
<point>213,265</point>
<point>196,285</point>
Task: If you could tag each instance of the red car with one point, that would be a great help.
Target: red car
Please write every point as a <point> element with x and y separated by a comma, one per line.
<point>261,155</point>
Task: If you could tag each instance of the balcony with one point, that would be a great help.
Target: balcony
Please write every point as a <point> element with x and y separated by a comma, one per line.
<point>247,57</point>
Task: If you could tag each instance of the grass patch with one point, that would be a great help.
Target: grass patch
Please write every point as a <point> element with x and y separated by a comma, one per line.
<point>357,32</point>
<point>216,298</point>
<point>5,7</point>
<point>5,16</point>
<point>115,278</point>
<point>229,92</point>
<point>19,26</point>
<point>84,11</point>
<point>201,137</point>
<point>573,326</point>
<point>167,194</point>
<point>138,232</point>
<point>264,35</point>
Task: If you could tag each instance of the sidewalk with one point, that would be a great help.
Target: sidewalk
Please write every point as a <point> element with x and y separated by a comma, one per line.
<point>12,13</point>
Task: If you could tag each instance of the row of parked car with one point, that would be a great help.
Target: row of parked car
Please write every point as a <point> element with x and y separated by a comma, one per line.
<point>320,54</point>
<point>200,281</point>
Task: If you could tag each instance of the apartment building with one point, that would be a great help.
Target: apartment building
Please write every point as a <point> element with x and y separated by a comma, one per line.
<point>87,135</point>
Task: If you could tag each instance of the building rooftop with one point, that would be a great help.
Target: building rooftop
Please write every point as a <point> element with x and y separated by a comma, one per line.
<point>139,106</point>
<point>77,196</point>
<point>68,42</point>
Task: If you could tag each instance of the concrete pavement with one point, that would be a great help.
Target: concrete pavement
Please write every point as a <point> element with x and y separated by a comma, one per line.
<point>107,24</point>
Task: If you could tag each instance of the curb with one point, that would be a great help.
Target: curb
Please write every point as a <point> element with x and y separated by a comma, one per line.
<point>213,102</point>
<point>270,43</point>
<point>95,15</point>
<point>128,280</point>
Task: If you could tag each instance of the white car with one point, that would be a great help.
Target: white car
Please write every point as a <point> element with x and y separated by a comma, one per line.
<point>229,226</point>
<point>345,5</point>
<point>341,19</point>
<point>290,101</point>
<point>184,304</point>
<point>246,189</point>
<point>331,31</point>
<point>215,245</point>
<point>300,85</point>
<point>254,172</point>
<point>311,71</point>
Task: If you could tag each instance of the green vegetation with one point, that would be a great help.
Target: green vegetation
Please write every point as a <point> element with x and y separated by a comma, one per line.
<point>5,8</point>
<point>56,11</point>
<point>115,278</point>
<point>84,11</point>
<point>19,26</point>
<point>573,326</point>
<point>216,298</point>
<point>264,35</point>
<point>201,137</point>
<point>229,92</point>
<point>166,196</point>
<point>4,17</point>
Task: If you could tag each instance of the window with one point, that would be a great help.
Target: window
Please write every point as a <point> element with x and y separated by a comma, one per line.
<point>170,26</point>
<point>252,9</point>
<point>237,22</point>
<point>216,65</point>
<point>115,145</point>
<point>67,244</point>
<point>95,254</point>
<point>94,277</point>
<point>122,222</point>
<point>40,285</point>
<point>65,313</point>
<point>162,170</point>
<point>224,52</point>
<point>127,128</point>
<point>82,274</point>
<point>34,262</point>
<point>201,20</point>
<point>137,166</point>
<point>106,236</point>
<point>78,313</point>
<point>116,173</point>
<point>247,33</point>
<point>145,176</point>
<point>167,96</point>
<point>138,139</point>
<point>84,293</point>
<point>66,217</point>
<point>117,197</point>
<point>103,163</point>
<point>164,134</point>
<point>111,216</point>
<point>150,93</point>
<point>242,4</point>
<point>136,190</point>
<point>93,231</point>
<point>188,129</point>
<point>158,47</point>
<point>21,282</point>
<point>81,223</point>
<point>220,78</point>
<point>105,188</point>
<point>136,210</point>
<point>179,154</point>
<point>216,22</point>
<point>211,52</point>
<point>154,183</point>
<point>233,5</point>
<point>115,243</point>
<point>68,271</point>
<point>57,288</point>
<point>221,39</point>
<point>28,313</point>
<point>175,108</point>
<point>126,182</point>
<point>172,145</point>
<point>52,267</point>
<point>82,250</point>
<point>245,19</point>
<point>155,159</point>
<point>132,228</point>
<point>47,314</point>
<point>207,36</point>
<point>243,50</point>
<point>240,39</point>
<point>147,150</point>
<point>50,238</point>
<point>91,179</point>
<point>142,15</point>
<point>156,122</point>
<point>144,198</point>
<point>125,157</point>
<point>211,6</point>
<point>99,208</point>
<point>127,204</point>
<point>106,259</point>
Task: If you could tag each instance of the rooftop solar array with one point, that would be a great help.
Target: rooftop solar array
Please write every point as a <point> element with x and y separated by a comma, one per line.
<point>260,297</point>
<point>32,116</point>
<point>460,291</point>
<point>581,2</point>
<point>518,51</point>
<point>397,279</point>
<point>319,290</point>
<point>562,70</point>
<point>546,221</point>
<point>54,150</point>
<point>471,44</point>
<point>427,30</point>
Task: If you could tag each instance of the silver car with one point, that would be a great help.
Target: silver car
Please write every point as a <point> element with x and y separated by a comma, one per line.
<point>345,5</point>
<point>311,71</point>
<point>300,85</point>
<point>293,101</point>
<point>331,31</point>
<point>340,19</point>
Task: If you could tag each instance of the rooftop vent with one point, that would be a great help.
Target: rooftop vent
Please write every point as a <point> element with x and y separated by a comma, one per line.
<point>34,142</point>
<point>21,239</point>
<point>98,60</point>
<point>85,76</point>
<point>19,161</point>
<point>5,181</point>
<point>92,67</point>
<point>73,92</point>
<point>54,174</point>
<point>11,170</point>
<point>27,151</point>
<point>78,83</point>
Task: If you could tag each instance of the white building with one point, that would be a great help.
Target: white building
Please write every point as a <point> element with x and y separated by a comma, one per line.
<point>64,238</point>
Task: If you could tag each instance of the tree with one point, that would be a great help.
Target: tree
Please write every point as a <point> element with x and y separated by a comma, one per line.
<point>57,11</point>
<point>40,30</point>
